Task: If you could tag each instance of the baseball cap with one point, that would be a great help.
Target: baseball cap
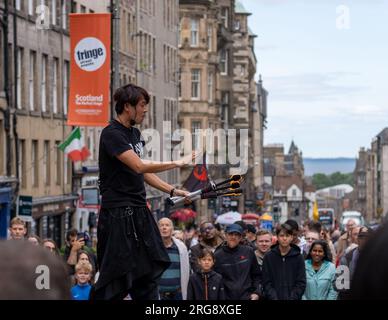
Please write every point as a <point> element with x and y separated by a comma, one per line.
<point>234,228</point>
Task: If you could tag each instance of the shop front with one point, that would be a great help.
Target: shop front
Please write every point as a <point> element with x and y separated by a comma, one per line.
<point>5,210</point>
<point>52,217</point>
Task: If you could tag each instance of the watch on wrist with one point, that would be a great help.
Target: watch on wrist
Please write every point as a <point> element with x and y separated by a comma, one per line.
<point>172,192</point>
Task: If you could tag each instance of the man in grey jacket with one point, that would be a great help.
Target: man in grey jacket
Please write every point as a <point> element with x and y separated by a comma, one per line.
<point>174,281</point>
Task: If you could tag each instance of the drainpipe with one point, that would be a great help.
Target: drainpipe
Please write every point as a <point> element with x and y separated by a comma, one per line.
<point>7,111</point>
<point>14,116</point>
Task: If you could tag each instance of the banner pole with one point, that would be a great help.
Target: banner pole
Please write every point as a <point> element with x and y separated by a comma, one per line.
<point>116,51</point>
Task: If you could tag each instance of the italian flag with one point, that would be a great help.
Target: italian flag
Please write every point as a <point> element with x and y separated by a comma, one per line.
<point>74,146</point>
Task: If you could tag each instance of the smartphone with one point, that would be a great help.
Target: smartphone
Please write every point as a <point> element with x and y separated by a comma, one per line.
<point>81,235</point>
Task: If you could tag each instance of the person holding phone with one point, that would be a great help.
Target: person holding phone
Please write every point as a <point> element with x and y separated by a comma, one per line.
<point>75,242</point>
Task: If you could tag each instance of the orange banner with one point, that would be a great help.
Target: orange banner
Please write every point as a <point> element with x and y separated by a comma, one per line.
<point>89,69</point>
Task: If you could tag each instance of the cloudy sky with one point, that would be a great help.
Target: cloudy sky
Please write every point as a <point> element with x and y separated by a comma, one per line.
<point>326,72</point>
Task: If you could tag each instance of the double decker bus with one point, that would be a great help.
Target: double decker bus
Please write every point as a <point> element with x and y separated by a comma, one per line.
<point>326,218</point>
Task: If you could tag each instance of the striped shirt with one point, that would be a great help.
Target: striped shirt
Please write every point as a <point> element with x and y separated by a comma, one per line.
<point>171,278</point>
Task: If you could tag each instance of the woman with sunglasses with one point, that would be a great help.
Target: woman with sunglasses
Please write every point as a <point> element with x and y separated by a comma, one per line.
<point>210,239</point>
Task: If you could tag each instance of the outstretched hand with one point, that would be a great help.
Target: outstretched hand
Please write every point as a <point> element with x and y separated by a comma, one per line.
<point>189,159</point>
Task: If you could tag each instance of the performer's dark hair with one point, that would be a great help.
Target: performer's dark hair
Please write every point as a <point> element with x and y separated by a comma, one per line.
<point>131,94</point>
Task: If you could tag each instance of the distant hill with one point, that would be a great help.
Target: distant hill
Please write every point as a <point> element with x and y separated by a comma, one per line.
<point>328,165</point>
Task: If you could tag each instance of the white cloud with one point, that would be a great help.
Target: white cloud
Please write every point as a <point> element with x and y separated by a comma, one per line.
<point>312,2</point>
<point>304,113</point>
<point>311,87</point>
<point>369,110</point>
<point>266,48</point>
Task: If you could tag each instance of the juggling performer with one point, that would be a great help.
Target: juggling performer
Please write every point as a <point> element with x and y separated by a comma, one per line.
<point>130,252</point>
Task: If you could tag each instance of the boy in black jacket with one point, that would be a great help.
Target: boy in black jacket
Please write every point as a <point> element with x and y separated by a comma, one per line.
<point>284,274</point>
<point>205,284</point>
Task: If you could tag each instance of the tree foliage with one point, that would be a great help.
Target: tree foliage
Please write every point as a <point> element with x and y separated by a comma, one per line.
<point>321,180</point>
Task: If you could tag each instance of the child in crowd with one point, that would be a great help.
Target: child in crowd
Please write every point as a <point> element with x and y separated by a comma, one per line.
<point>83,276</point>
<point>205,284</point>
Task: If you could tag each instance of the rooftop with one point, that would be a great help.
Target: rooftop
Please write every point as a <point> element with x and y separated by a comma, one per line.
<point>251,33</point>
<point>239,8</point>
<point>383,136</point>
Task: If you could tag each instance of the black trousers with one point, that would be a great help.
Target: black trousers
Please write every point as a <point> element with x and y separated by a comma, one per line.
<point>143,289</point>
<point>130,254</point>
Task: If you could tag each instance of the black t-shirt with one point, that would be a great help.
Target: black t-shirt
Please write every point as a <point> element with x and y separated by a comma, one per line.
<point>119,185</point>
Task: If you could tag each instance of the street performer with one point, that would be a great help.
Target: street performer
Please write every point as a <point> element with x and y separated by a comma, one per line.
<point>130,252</point>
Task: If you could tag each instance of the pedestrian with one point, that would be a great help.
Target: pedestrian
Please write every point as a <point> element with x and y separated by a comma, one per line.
<point>263,244</point>
<point>251,235</point>
<point>314,226</point>
<point>17,229</point>
<point>174,280</point>
<point>296,238</point>
<point>83,276</point>
<point>84,256</point>
<point>310,237</point>
<point>75,241</point>
<point>205,284</point>
<point>360,236</point>
<point>370,277</point>
<point>325,235</point>
<point>348,253</point>
<point>130,251</point>
<point>284,274</point>
<point>34,240</point>
<point>244,240</point>
<point>210,240</point>
<point>363,237</point>
<point>238,267</point>
<point>51,245</point>
<point>320,273</point>
<point>345,240</point>
<point>178,234</point>
<point>190,236</point>
<point>335,235</point>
